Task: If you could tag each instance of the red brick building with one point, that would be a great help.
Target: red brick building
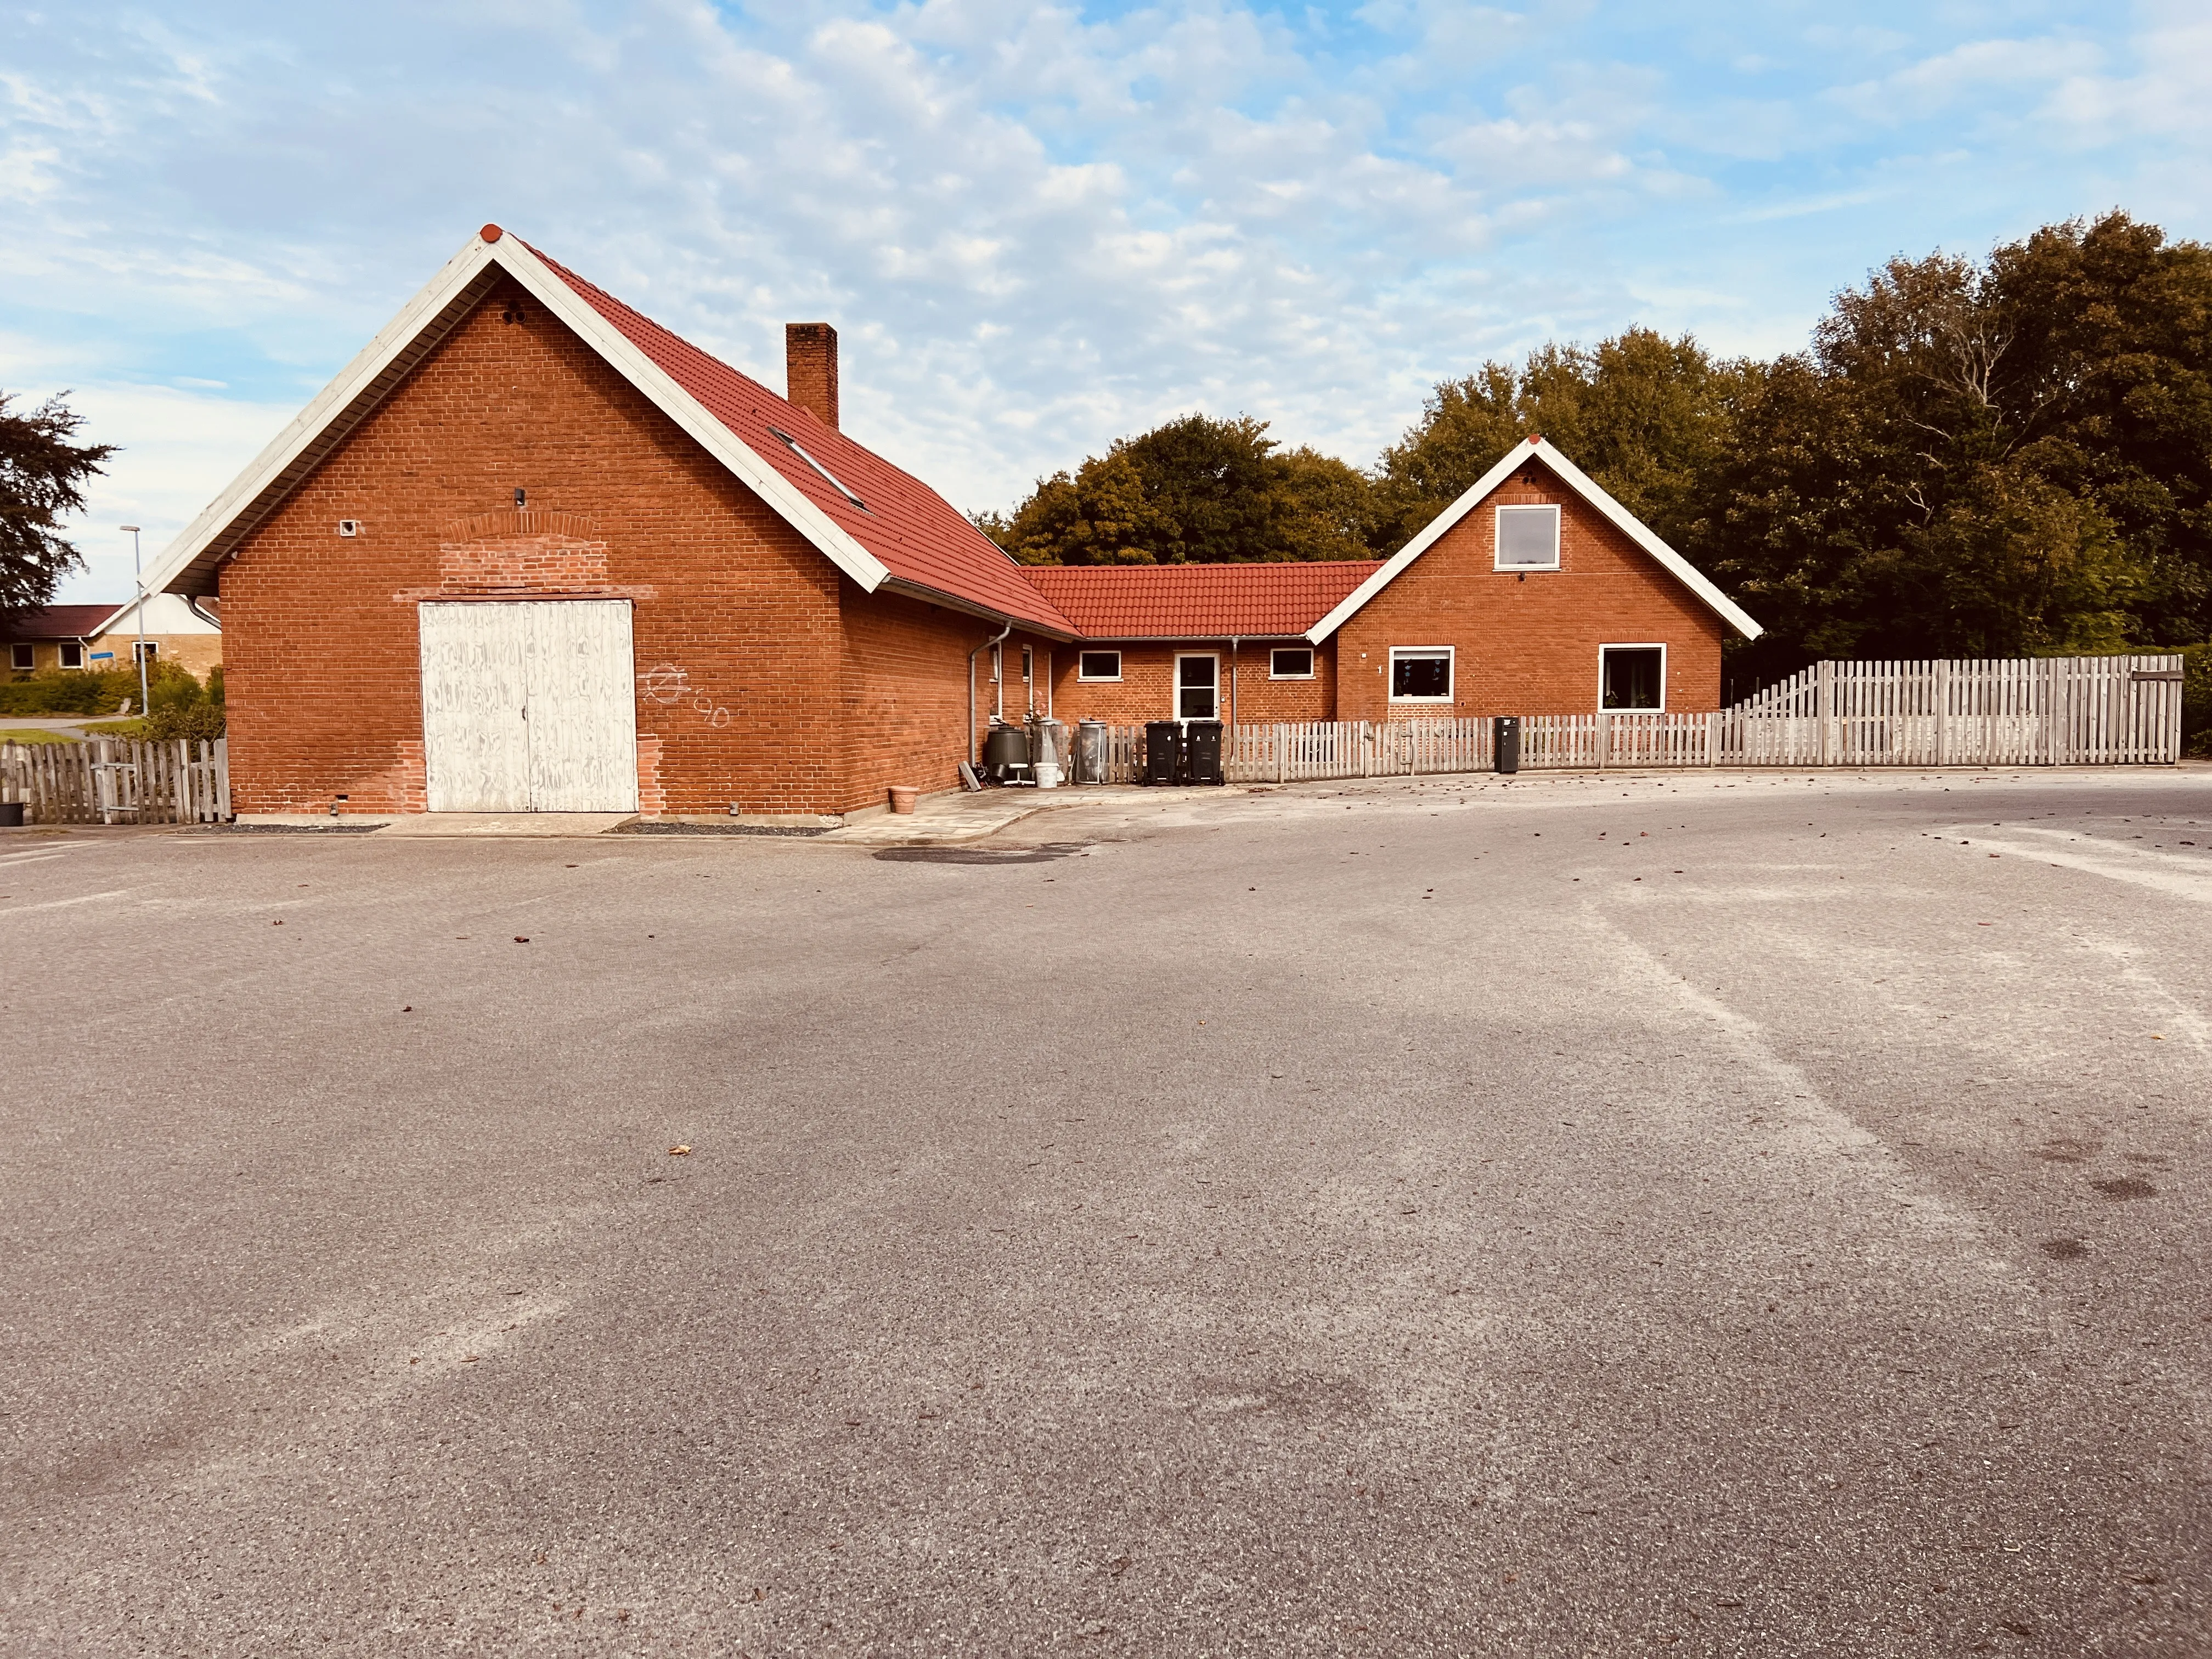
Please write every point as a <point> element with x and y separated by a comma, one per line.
<point>531,551</point>
<point>1196,642</point>
<point>1534,594</point>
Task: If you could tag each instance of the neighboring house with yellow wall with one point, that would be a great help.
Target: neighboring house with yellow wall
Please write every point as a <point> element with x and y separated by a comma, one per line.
<point>186,632</point>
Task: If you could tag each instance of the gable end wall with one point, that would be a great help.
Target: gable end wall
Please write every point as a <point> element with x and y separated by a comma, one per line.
<point>1528,645</point>
<point>738,631</point>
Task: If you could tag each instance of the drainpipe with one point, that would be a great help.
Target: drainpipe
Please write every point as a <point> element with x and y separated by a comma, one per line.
<point>972,655</point>
<point>1232,685</point>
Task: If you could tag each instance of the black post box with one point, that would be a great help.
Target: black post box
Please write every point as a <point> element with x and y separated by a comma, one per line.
<point>1163,752</point>
<point>1505,737</point>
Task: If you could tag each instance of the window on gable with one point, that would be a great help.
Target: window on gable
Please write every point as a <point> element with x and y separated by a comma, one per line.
<point>1632,677</point>
<point>1291,663</point>
<point>835,482</point>
<point>1420,673</point>
<point>1527,539</point>
<point>1098,666</point>
<point>22,655</point>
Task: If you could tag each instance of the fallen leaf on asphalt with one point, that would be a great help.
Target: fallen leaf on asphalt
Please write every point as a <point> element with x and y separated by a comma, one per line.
<point>522,938</point>
<point>679,1151</point>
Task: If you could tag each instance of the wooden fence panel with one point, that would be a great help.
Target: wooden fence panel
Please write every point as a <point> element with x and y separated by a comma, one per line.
<point>2120,710</point>
<point>108,780</point>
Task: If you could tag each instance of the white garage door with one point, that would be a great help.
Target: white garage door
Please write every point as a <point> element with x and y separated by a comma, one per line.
<point>530,707</point>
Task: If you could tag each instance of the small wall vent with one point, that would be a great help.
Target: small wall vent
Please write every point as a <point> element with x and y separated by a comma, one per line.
<point>348,527</point>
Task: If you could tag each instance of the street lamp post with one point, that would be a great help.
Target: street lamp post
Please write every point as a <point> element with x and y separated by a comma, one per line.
<point>138,649</point>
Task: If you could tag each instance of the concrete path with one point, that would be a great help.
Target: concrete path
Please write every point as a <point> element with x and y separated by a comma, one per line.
<point>447,826</point>
<point>66,726</point>
<point>956,817</point>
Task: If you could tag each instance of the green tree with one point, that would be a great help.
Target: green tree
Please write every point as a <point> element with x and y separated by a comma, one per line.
<point>2109,357</point>
<point>1212,488</point>
<point>1644,416</point>
<point>1099,516</point>
<point>1194,491</point>
<point>42,474</point>
<point>1326,509</point>
<point>1990,459</point>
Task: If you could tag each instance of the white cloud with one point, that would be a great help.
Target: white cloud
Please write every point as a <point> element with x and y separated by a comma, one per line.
<point>1940,82</point>
<point>178,448</point>
<point>1036,227</point>
<point>2168,96</point>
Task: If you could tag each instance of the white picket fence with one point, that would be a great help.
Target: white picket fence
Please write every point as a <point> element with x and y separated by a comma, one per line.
<point>108,780</point>
<point>1295,752</point>
<point>2033,711</point>
<point>2038,711</point>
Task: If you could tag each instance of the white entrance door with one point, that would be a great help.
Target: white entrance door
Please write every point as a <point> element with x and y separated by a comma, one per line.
<point>1198,687</point>
<point>530,707</point>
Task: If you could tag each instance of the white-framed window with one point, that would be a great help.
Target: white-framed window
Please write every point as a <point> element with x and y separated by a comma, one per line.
<point>72,653</point>
<point>998,664</point>
<point>22,655</point>
<point>1421,673</point>
<point>148,649</point>
<point>1527,539</point>
<point>1632,677</point>
<point>1029,665</point>
<point>1290,662</point>
<point>1197,687</point>
<point>1098,666</point>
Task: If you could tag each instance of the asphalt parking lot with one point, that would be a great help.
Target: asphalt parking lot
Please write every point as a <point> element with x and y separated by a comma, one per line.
<point>1722,1213</point>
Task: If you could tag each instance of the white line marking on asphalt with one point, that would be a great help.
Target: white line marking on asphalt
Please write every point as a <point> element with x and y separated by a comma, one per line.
<point>2176,875</point>
<point>2174,1014</point>
<point>1821,1127</point>
<point>57,904</point>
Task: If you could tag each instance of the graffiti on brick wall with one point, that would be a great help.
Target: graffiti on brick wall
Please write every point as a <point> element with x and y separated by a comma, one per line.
<point>671,686</point>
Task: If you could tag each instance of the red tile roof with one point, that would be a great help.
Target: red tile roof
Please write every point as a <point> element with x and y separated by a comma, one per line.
<point>1197,601</point>
<point>919,536</point>
<point>922,539</point>
<point>59,622</point>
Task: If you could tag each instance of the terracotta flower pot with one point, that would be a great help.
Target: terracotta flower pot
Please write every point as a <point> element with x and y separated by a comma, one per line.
<point>903,798</point>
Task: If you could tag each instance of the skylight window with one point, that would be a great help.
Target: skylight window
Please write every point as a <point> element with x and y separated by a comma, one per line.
<point>835,482</point>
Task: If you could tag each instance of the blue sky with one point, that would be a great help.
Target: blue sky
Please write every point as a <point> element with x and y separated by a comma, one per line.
<point>1036,228</point>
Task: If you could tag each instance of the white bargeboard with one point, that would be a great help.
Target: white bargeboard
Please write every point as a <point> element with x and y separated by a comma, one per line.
<point>529,706</point>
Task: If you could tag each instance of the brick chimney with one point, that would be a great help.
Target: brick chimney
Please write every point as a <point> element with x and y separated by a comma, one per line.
<point>810,369</point>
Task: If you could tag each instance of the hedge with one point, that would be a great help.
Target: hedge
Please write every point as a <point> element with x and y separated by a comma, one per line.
<point>104,691</point>
<point>2196,701</point>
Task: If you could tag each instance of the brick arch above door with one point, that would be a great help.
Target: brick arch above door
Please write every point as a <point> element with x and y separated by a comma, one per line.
<point>522,550</point>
